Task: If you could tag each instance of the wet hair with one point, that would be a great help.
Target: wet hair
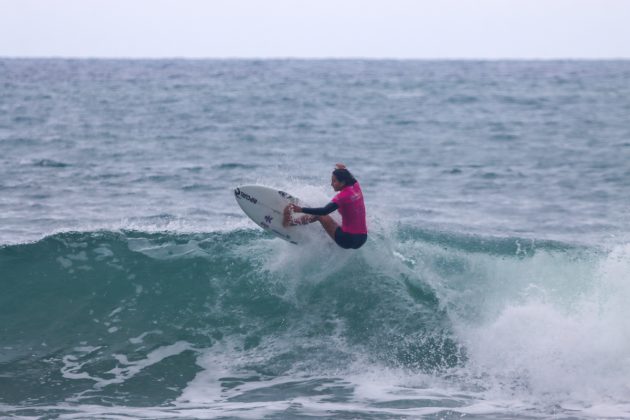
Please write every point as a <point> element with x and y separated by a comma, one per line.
<point>344,175</point>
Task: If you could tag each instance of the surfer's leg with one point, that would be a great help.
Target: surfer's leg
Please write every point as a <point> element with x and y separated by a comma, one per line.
<point>329,225</point>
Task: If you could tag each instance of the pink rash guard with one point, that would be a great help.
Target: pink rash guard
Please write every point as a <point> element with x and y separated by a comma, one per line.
<point>352,209</point>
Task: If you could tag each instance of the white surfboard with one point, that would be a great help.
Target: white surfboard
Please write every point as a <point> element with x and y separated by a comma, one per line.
<point>265,206</point>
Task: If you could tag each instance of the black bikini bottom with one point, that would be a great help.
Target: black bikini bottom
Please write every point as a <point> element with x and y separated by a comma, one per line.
<point>350,240</point>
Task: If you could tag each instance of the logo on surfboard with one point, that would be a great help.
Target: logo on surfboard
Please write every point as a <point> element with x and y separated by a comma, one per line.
<point>240,194</point>
<point>287,196</point>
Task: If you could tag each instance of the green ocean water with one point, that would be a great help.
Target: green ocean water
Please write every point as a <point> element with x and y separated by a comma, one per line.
<point>165,325</point>
<point>493,284</point>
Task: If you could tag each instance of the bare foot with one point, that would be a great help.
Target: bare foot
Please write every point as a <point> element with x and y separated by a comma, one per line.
<point>287,219</point>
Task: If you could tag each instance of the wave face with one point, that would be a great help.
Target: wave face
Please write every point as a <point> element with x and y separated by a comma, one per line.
<point>235,323</point>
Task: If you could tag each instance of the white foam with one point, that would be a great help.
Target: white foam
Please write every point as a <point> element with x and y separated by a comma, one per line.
<point>126,369</point>
<point>139,339</point>
<point>572,352</point>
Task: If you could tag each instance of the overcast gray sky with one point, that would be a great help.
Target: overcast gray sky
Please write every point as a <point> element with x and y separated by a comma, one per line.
<point>314,29</point>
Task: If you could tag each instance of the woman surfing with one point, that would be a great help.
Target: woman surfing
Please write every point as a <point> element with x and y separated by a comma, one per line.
<point>349,201</point>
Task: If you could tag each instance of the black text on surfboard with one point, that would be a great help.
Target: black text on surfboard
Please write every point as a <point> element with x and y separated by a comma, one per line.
<point>239,193</point>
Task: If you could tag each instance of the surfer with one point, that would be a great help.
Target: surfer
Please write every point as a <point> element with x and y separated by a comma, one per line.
<point>349,202</point>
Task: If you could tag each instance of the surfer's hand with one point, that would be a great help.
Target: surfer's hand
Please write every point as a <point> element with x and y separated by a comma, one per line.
<point>295,208</point>
<point>340,166</point>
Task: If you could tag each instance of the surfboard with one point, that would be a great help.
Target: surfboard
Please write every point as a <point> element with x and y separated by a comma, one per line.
<point>265,206</point>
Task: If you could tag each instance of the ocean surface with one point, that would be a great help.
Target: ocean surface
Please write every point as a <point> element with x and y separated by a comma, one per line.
<point>494,284</point>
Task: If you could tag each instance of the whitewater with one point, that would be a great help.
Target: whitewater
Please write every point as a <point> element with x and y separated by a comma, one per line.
<point>494,283</point>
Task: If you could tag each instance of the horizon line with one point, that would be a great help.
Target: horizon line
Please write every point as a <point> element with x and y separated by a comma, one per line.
<point>298,58</point>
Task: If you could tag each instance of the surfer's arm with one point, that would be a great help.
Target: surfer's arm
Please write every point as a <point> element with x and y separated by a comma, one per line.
<point>321,211</point>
